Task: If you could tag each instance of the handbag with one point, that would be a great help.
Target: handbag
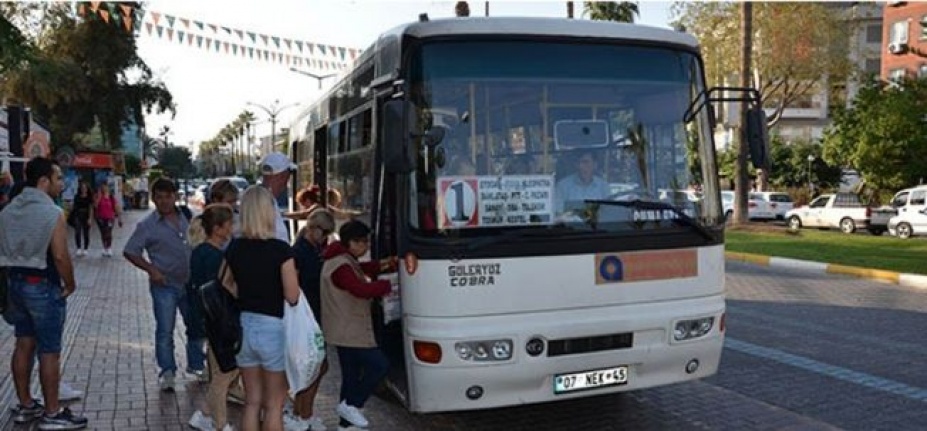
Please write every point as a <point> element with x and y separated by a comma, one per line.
<point>304,345</point>
<point>223,327</point>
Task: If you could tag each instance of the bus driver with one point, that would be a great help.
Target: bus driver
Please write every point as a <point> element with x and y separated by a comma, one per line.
<point>582,185</point>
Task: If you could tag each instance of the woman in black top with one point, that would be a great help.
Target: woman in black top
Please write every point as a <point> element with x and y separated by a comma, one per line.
<point>83,202</point>
<point>262,274</point>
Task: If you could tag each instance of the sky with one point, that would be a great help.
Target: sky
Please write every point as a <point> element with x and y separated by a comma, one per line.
<point>210,89</point>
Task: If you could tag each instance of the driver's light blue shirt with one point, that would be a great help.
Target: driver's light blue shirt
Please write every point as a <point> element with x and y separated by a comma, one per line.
<point>572,189</point>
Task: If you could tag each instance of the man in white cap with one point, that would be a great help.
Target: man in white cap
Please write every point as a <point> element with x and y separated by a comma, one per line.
<point>275,171</point>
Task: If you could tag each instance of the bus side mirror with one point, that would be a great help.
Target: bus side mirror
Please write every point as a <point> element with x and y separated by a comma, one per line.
<point>758,138</point>
<point>397,154</point>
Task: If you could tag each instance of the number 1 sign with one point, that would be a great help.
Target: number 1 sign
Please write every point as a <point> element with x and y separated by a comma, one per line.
<point>457,202</point>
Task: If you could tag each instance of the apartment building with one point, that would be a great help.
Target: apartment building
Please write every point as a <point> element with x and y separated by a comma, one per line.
<point>904,53</point>
<point>807,117</point>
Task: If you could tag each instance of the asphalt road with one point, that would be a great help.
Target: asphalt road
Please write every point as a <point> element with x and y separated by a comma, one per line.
<point>803,351</point>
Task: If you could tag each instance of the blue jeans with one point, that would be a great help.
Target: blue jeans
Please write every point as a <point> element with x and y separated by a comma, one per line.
<point>361,372</point>
<point>166,300</point>
<point>37,310</point>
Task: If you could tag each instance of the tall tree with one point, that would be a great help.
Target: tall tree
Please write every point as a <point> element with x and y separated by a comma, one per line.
<point>799,48</point>
<point>620,11</point>
<point>16,48</point>
<point>84,72</point>
<point>133,165</point>
<point>176,162</point>
<point>151,147</point>
<point>791,168</point>
<point>883,135</point>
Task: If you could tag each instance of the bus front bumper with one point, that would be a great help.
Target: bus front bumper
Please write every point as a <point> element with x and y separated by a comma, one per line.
<point>652,360</point>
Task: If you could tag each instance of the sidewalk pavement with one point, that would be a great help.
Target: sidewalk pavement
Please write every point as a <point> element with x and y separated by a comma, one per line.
<point>108,351</point>
<point>903,279</point>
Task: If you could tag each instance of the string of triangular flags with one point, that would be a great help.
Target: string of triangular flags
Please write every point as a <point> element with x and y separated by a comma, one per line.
<point>244,43</point>
<point>120,13</point>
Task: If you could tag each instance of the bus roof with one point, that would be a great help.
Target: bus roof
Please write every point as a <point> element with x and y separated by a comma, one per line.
<point>544,27</point>
<point>521,26</point>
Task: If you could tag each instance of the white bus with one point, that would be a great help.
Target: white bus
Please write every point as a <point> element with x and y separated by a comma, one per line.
<point>516,166</point>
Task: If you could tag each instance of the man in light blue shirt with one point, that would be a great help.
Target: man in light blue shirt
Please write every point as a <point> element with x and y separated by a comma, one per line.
<point>572,190</point>
<point>162,236</point>
<point>275,171</point>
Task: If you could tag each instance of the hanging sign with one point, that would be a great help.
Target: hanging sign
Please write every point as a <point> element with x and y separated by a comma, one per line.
<point>494,201</point>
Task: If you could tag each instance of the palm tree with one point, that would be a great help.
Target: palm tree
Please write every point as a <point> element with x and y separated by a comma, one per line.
<point>243,121</point>
<point>151,147</point>
<point>623,11</point>
<point>225,137</point>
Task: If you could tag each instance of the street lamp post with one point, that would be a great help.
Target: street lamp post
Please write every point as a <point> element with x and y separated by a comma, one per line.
<point>810,184</point>
<point>312,75</point>
<point>272,112</point>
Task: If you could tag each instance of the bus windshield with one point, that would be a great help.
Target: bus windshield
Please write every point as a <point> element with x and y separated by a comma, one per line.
<point>583,136</point>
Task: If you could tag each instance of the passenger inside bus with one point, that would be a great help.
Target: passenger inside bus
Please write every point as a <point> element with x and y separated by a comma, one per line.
<point>581,185</point>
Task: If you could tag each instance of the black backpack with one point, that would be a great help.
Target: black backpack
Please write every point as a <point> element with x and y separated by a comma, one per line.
<point>223,328</point>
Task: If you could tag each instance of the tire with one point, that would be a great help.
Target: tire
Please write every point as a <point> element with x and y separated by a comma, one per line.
<point>903,230</point>
<point>794,223</point>
<point>847,225</point>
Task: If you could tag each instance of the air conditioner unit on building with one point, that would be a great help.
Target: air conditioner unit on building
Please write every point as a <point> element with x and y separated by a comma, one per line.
<point>897,47</point>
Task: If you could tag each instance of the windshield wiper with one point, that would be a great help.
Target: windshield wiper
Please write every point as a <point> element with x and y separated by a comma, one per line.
<point>681,216</point>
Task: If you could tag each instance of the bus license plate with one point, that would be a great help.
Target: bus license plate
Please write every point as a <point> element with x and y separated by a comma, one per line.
<point>592,379</point>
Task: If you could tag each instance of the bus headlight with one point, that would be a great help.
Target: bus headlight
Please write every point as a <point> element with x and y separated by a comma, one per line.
<point>485,350</point>
<point>689,329</point>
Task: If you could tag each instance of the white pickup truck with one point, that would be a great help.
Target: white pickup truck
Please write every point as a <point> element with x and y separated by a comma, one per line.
<point>844,211</point>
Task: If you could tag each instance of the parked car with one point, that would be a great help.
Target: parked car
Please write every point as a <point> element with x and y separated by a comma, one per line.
<point>756,209</point>
<point>679,195</point>
<point>778,202</point>
<point>844,211</point>
<point>911,218</point>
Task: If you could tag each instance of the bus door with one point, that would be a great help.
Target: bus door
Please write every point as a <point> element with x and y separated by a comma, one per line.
<point>387,318</point>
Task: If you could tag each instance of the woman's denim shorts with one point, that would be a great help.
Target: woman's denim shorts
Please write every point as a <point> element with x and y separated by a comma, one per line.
<point>262,342</point>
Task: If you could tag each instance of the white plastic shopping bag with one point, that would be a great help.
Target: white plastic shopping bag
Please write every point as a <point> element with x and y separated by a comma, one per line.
<point>391,302</point>
<point>305,346</point>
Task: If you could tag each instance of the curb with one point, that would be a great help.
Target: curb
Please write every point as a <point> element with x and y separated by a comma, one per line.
<point>902,279</point>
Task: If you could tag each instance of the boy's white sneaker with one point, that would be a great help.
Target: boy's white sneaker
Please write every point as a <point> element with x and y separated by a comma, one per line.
<point>352,414</point>
<point>201,422</point>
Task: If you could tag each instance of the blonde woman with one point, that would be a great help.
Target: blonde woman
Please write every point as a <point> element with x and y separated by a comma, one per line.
<point>262,274</point>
